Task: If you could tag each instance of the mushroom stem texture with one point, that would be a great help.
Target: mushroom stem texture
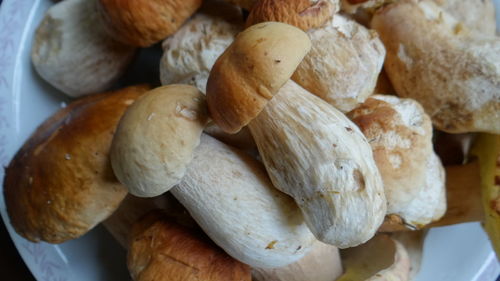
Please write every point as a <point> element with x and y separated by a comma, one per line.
<point>318,156</point>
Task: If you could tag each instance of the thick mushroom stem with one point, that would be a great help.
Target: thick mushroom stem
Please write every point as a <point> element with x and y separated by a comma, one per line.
<point>230,196</point>
<point>319,157</point>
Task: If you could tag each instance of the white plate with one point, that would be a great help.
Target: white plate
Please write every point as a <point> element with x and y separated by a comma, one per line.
<point>455,253</point>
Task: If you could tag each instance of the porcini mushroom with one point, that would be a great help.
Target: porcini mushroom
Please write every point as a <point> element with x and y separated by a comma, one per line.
<point>452,71</point>
<point>161,247</point>
<point>311,151</point>
<point>225,190</point>
<point>143,23</point>
<point>345,58</point>
<point>74,54</point>
<point>400,134</point>
<point>59,184</point>
<point>155,139</point>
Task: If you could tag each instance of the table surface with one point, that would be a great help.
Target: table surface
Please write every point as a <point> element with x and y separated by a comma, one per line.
<point>11,264</point>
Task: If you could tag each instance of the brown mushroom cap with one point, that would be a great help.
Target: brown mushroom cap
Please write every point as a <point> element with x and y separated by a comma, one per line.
<point>144,22</point>
<point>60,184</point>
<point>248,74</point>
<point>304,14</point>
<point>163,250</point>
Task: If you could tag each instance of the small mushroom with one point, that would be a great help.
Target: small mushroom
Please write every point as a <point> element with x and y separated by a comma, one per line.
<point>322,263</point>
<point>60,185</point>
<point>452,71</point>
<point>74,54</point>
<point>142,23</point>
<point>156,137</point>
<point>161,249</point>
<point>225,190</point>
<point>311,151</point>
<point>381,258</point>
<point>413,242</point>
<point>400,134</point>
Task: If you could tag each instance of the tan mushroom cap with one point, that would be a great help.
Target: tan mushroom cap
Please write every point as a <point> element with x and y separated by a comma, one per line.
<point>60,184</point>
<point>254,67</point>
<point>156,137</point>
<point>144,22</point>
<point>161,249</point>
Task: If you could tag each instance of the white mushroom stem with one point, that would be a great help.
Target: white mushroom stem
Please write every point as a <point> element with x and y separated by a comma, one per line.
<point>73,53</point>
<point>413,242</point>
<point>322,263</point>
<point>230,196</point>
<point>318,156</point>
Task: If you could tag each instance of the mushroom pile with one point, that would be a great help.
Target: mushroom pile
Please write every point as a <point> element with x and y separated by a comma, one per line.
<point>289,140</point>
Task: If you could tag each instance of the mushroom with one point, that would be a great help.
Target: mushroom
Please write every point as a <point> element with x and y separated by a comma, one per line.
<point>322,263</point>
<point>191,52</point>
<point>381,258</point>
<point>400,134</point>
<point>162,247</point>
<point>74,54</point>
<point>304,14</point>
<point>452,71</point>
<point>59,185</point>
<point>478,15</point>
<point>345,59</point>
<point>225,190</point>
<point>155,139</point>
<point>143,23</point>
<point>311,151</point>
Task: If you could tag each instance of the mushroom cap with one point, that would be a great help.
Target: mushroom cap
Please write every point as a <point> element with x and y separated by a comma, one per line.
<point>161,249</point>
<point>142,23</point>
<point>304,14</point>
<point>73,53</point>
<point>251,70</point>
<point>60,184</point>
<point>156,137</point>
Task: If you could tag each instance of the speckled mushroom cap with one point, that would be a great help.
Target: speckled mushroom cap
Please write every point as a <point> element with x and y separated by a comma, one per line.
<point>251,70</point>
<point>156,137</point>
<point>60,184</point>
